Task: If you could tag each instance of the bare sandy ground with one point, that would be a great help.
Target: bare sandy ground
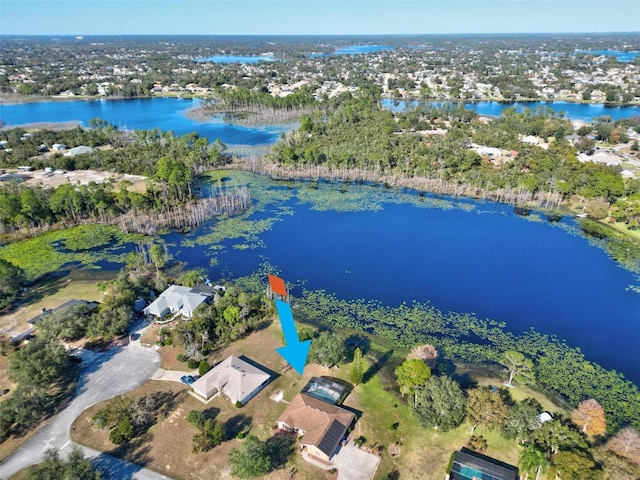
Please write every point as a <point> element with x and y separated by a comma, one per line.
<point>82,177</point>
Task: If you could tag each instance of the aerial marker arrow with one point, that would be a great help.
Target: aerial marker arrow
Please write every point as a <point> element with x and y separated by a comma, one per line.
<point>277,286</point>
<point>294,352</point>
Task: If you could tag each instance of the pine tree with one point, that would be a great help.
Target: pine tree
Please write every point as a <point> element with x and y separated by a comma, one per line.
<point>357,370</point>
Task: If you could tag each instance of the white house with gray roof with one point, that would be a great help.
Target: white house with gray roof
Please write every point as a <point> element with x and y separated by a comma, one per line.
<point>178,300</point>
<point>235,378</point>
<point>81,150</point>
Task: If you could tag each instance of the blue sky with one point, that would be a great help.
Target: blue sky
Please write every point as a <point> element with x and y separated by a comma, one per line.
<point>249,17</point>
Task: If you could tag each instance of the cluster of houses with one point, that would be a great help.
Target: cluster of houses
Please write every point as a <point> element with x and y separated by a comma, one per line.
<point>315,415</point>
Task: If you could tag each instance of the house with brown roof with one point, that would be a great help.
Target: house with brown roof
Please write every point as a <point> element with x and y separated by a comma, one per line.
<point>320,425</point>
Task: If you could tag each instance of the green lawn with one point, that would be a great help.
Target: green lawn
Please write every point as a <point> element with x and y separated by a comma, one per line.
<point>423,452</point>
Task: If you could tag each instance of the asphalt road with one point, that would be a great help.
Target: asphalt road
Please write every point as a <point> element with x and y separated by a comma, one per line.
<point>104,375</point>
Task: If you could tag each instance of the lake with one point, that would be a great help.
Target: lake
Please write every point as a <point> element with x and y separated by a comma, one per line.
<point>574,111</point>
<point>362,49</point>
<point>170,114</point>
<point>460,255</point>
<point>354,50</point>
<point>140,113</point>
<point>235,59</point>
<point>376,243</point>
<point>624,57</point>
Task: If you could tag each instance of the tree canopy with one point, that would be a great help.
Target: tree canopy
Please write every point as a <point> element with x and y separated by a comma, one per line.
<point>328,349</point>
<point>590,418</point>
<point>412,373</point>
<point>486,407</point>
<point>520,368</point>
<point>250,459</point>
<point>439,403</point>
<point>77,467</point>
<point>11,280</point>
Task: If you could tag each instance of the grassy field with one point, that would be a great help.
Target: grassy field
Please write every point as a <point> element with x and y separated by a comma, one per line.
<point>408,449</point>
<point>50,293</point>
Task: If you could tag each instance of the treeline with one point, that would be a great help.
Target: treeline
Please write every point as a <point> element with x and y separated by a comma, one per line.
<point>556,445</point>
<point>257,106</point>
<point>135,152</point>
<point>170,163</point>
<point>240,98</point>
<point>354,132</point>
<point>46,378</point>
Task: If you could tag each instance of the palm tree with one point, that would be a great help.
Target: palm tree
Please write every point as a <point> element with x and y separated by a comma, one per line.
<point>532,460</point>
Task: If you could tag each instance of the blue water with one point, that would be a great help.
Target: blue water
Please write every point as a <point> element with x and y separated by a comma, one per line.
<point>361,49</point>
<point>624,57</point>
<point>235,59</point>
<point>487,261</point>
<point>354,50</point>
<point>145,113</point>
<point>574,111</point>
<point>169,114</point>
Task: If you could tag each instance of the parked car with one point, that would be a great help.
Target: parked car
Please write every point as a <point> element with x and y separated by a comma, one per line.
<point>187,379</point>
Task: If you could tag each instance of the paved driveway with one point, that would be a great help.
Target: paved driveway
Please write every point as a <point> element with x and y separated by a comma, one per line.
<point>172,375</point>
<point>104,375</point>
<point>355,464</point>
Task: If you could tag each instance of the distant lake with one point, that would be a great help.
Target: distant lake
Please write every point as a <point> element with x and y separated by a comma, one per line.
<point>235,59</point>
<point>142,113</point>
<point>355,50</point>
<point>574,111</point>
<point>170,114</point>
<point>625,57</point>
<point>360,49</point>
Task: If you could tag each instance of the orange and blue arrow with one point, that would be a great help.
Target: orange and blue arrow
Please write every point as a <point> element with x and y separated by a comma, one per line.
<point>294,352</point>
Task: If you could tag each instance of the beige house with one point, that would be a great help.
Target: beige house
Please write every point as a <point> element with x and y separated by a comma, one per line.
<point>234,378</point>
<point>321,425</point>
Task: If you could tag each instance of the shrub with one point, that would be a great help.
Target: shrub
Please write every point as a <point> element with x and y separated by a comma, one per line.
<point>122,432</point>
<point>239,404</point>
<point>196,418</point>
<point>477,443</point>
<point>180,357</point>
<point>192,363</point>
<point>203,367</point>
<point>244,432</point>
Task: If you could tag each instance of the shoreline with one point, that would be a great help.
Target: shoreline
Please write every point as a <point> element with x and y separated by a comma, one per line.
<point>548,203</point>
<point>18,99</point>
<point>65,125</point>
<point>246,118</point>
<point>515,197</point>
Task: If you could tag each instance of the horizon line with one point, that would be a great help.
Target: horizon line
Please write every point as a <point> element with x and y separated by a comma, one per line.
<point>616,32</point>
